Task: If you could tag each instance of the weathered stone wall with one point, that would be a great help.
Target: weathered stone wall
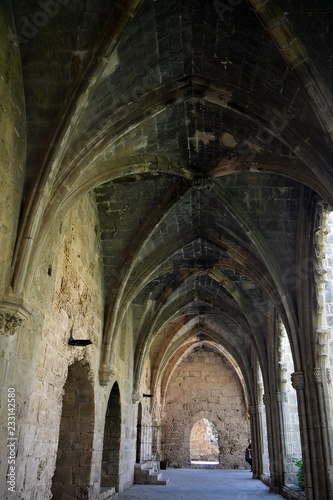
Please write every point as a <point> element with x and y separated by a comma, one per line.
<point>12,140</point>
<point>65,297</point>
<point>205,385</point>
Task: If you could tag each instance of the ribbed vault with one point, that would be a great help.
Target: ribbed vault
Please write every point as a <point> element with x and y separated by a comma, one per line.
<point>202,142</point>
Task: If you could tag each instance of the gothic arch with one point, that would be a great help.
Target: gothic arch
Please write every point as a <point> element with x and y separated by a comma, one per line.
<point>111,440</point>
<point>72,476</point>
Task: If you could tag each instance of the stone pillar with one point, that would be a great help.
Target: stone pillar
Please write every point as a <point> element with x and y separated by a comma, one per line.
<point>297,381</point>
<point>289,437</point>
<point>256,437</point>
<point>311,405</point>
<point>280,398</point>
<point>274,444</point>
<point>281,394</point>
<point>310,302</point>
<point>323,385</point>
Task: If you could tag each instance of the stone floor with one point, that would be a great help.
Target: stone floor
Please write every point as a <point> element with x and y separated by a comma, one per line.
<point>202,484</point>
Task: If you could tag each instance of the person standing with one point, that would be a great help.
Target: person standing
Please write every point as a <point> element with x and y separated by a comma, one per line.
<point>248,453</point>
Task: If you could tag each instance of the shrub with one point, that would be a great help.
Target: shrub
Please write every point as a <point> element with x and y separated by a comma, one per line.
<point>300,473</point>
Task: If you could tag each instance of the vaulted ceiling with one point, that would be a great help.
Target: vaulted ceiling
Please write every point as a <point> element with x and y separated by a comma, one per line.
<point>203,130</point>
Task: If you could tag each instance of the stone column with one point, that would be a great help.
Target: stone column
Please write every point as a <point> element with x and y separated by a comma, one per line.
<point>283,411</point>
<point>280,399</point>
<point>274,444</point>
<point>309,292</point>
<point>313,436</point>
<point>322,384</point>
<point>322,378</point>
<point>282,395</point>
<point>256,437</point>
<point>297,381</point>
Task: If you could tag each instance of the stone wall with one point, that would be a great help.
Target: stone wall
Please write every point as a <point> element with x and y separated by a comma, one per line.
<point>204,385</point>
<point>65,299</point>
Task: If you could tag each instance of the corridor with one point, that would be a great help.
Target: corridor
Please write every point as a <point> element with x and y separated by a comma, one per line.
<point>166,248</point>
<point>199,484</point>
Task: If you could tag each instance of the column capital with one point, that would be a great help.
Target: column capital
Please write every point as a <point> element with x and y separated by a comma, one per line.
<point>297,380</point>
<point>266,399</point>
<point>328,375</point>
<point>12,314</point>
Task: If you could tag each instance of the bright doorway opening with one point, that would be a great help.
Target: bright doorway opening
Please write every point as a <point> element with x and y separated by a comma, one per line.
<point>204,443</point>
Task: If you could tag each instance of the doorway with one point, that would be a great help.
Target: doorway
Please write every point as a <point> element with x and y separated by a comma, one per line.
<point>204,443</point>
<point>111,444</point>
<point>74,457</point>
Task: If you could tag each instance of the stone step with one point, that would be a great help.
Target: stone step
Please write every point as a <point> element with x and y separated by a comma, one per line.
<point>163,482</point>
<point>156,479</point>
<point>143,466</point>
<point>107,493</point>
<point>143,474</point>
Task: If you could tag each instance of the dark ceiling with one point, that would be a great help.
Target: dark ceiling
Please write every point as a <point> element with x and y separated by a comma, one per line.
<point>203,138</point>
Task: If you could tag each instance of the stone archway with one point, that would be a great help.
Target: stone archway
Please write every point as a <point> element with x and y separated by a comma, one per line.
<point>218,396</point>
<point>74,457</point>
<point>111,444</point>
<point>204,442</point>
<point>188,431</point>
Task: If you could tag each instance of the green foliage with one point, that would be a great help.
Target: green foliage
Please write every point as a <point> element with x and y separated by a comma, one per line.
<point>215,432</point>
<point>300,473</point>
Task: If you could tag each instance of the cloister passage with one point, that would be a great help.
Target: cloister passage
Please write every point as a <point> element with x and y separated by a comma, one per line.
<point>166,243</point>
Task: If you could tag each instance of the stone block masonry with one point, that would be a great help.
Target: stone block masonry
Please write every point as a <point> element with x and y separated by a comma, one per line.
<point>217,397</point>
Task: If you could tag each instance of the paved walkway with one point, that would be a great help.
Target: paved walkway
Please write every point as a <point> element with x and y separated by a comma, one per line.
<point>202,484</point>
